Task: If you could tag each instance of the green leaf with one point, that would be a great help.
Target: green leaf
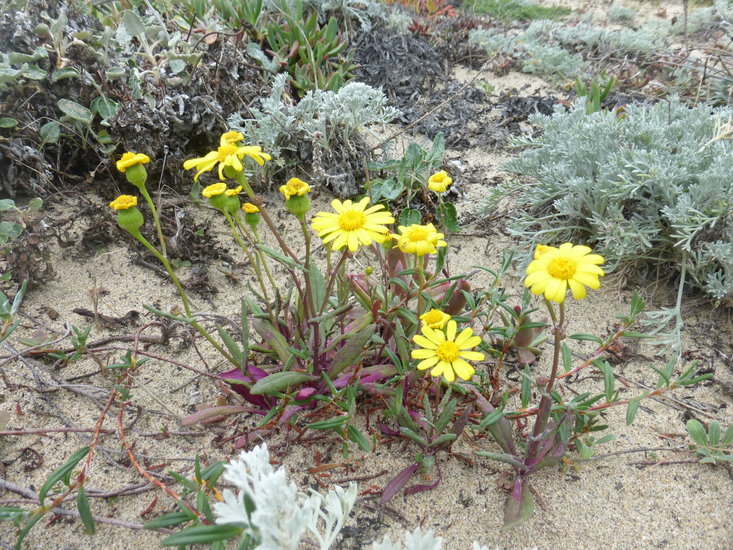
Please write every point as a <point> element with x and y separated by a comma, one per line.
<point>50,132</point>
<point>351,351</point>
<point>275,255</point>
<point>76,111</point>
<point>34,73</point>
<point>518,510</point>
<point>202,534</point>
<point>330,424</point>
<point>63,74</point>
<point>82,504</point>
<point>273,338</point>
<point>104,106</point>
<point>11,513</point>
<point>318,286</point>
<point>385,189</point>
<point>608,380</point>
<point>62,472</point>
<point>586,338</point>
<point>169,520</point>
<point>27,529</point>
<point>231,345</point>
<point>133,24</point>
<point>409,216</point>
<point>567,357</point>
<point>356,436</point>
<point>450,217</point>
<point>727,437</point>
<point>714,433</point>
<point>7,204</point>
<point>697,432</point>
<point>631,411</point>
<point>8,122</point>
<point>278,381</point>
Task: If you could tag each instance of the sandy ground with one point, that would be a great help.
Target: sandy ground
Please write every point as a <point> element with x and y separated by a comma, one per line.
<point>618,501</point>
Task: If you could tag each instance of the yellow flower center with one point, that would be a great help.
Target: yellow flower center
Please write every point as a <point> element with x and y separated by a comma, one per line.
<point>433,316</point>
<point>351,221</point>
<point>226,151</point>
<point>448,352</point>
<point>416,234</point>
<point>562,268</point>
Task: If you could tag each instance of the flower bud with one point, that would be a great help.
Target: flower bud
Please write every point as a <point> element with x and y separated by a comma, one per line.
<point>298,205</point>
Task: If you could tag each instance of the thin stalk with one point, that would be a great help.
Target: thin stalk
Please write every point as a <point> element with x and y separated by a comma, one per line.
<point>156,219</point>
<point>184,298</point>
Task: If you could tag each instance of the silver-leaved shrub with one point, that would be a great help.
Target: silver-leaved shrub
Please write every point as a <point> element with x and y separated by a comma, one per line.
<point>649,186</point>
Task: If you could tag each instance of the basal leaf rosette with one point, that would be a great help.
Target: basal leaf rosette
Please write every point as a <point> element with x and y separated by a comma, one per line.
<point>353,224</point>
<point>553,270</point>
<point>445,353</point>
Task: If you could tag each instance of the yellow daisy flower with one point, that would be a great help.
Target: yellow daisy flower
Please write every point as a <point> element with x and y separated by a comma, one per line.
<point>445,353</point>
<point>294,187</point>
<point>250,208</point>
<point>234,192</point>
<point>434,318</point>
<point>131,159</point>
<point>123,202</point>
<point>228,154</point>
<point>541,250</point>
<point>419,239</point>
<point>231,138</point>
<point>554,270</point>
<point>439,182</point>
<point>214,190</point>
<point>353,224</point>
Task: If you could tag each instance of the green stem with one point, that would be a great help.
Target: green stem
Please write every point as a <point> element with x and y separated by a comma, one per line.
<point>184,298</point>
<point>156,219</point>
<point>545,407</point>
<point>253,262</point>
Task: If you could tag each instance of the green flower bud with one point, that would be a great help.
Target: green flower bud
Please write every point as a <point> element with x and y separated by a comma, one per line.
<point>298,205</point>
<point>130,219</point>
<point>137,175</point>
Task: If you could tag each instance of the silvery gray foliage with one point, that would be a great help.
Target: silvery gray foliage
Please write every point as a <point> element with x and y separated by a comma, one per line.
<point>539,56</point>
<point>650,186</point>
<point>281,514</point>
<point>419,540</point>
<point>323,119</point>
<point>413,540</point>
<point>644,40</point>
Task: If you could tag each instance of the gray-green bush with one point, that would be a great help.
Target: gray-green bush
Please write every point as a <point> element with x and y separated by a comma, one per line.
<point>646,186</point>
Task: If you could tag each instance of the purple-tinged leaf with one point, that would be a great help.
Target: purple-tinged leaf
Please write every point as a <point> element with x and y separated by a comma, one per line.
<point>419,488</point>
<point>398,482</point>
<point>519,504</point>
<point>305,393</point>
<point>241,383</point>
<point>212,412</point>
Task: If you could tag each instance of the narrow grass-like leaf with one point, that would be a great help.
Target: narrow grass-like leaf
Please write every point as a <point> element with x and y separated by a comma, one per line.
<point>278,381</point>
<point>85,513</point>
<point>631,411</point>
<point>62,472</point>
<point>202,534</point>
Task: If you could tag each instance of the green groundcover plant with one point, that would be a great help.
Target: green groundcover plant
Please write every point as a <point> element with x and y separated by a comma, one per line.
<point>369,312</point>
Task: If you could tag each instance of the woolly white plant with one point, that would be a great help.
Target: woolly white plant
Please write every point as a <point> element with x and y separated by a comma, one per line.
<point>271,509</point>
<point>419,540</point>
